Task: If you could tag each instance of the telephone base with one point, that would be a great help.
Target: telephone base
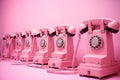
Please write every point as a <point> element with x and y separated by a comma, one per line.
<point>40,60</point>
<point>26,59</point>
<point>16,55</point>
<point>35,65</point>
<point>26,56</point>
<point>60,64</point>
<point>98,72</point>
<point>5,56</point>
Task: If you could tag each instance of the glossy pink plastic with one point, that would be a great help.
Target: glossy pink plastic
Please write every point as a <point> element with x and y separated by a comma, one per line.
<point>19,46</point>
<point>8,45</point>
<point>99,60</point>
<point>30,47</point>
<point>64,49</point>
<point>45,44</point>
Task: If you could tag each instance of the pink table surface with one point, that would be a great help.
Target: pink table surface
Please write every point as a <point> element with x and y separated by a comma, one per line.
<point>22,72</point>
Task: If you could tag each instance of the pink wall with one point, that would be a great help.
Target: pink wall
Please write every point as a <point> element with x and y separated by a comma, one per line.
<point>21,15</point>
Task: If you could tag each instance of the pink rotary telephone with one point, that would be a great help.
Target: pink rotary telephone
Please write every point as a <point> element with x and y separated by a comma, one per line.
<point>19,45</point>
<point>30,46</point>
<point>46,46</point>
<point>99,60</point>
<point>64,49</point>
<point>8,45</point>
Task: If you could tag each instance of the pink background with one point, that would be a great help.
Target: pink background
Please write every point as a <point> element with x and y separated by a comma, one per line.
<point>21,15</point>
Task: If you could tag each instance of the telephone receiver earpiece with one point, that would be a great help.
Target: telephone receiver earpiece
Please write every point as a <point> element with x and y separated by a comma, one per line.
<point>4,37</point>
<point>52,32</point>
<point>113,27</point>
<point>39,33</point>
<point>24,35</point>
<point>14,37</point>
<point>83,28</point>
<point>71,31</point>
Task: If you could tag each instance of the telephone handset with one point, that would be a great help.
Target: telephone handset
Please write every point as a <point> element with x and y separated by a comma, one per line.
<point>105,24</point>
<point>99,60</point>
<point>70,31</point>
<point>39,33</point>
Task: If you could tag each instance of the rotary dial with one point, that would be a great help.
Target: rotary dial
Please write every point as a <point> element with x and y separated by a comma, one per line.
<point>95,42</point>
